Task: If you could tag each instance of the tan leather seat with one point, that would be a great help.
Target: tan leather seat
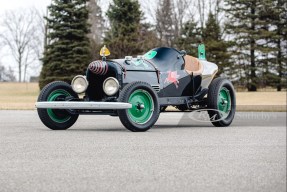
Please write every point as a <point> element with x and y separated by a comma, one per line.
<point>192,65</point>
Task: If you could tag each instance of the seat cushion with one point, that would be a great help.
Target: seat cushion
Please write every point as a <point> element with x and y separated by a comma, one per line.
<point>192,65</point>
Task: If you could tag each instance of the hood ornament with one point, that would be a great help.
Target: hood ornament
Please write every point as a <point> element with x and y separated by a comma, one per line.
<point>104,52</point>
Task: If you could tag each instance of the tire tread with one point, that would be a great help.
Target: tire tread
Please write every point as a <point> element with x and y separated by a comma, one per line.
<point>123,97</point>
<point>43,115</point>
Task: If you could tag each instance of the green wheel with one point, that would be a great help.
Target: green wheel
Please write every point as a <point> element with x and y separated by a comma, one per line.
<point>224,101</point>
<point>221,101</point>
<point>57,119</point>
<point>59,116</point>
<point>145,106</point>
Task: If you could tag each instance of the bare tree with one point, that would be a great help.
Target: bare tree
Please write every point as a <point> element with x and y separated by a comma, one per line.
<point>96,21</point>
<point>168,16</point>
<point>97,26</point>
<point>201,12</point>
<point>22,35</point>
<point>180,9</point>
<point>165,22</point>
<point>149,8</point>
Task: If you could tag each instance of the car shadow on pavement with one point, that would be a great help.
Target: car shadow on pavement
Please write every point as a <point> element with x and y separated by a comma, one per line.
<point>122,129</point>
<point>98,129</point>
<point>166,126</point>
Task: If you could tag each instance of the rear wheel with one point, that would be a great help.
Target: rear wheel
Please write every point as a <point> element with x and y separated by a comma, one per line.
<point>222,102</point>
<point>145,106</point>
<point>57,119</point>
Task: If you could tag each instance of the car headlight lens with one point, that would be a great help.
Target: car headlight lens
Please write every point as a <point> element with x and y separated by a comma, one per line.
<point>79,84</point>
<point>111,86</point>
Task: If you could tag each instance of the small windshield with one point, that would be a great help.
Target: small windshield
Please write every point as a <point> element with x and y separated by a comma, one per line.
<point>139,64</point>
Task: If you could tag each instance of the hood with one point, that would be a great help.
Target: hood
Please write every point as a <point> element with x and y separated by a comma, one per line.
<point>135,64</point>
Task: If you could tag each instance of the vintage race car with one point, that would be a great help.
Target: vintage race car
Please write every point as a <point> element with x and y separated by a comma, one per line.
<point>138,89</point>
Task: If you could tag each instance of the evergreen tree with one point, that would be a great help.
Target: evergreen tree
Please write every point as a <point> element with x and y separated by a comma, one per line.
<point>68,52</point>
<point>274,23</point>
<point>124,35</point>
<point>242,25</point>
<point>190,38</point>
<point>216,46</point>
<point>280,21</point>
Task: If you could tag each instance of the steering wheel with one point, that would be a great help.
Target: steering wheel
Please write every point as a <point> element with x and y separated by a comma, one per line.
<point>182,53</point>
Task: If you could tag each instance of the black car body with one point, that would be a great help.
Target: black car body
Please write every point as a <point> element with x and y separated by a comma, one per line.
<point>165,77</point>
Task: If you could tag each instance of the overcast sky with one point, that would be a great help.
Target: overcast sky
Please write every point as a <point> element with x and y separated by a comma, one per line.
<point>41,5</point>
<point>15,4</point>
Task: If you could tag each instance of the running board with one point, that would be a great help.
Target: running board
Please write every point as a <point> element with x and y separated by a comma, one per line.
<point>82,105</point>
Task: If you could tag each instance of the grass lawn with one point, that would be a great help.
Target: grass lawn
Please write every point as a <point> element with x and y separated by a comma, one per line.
<point>18,95</point>
<point>258,101</point>
<point>24,95</point>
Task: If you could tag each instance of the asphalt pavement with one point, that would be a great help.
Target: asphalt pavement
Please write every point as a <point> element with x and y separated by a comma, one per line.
<point>178,154</point>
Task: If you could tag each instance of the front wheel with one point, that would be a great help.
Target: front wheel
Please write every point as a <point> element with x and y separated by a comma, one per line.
<point>57,119</point>
<point>145,106</point>
<point>221,102</point>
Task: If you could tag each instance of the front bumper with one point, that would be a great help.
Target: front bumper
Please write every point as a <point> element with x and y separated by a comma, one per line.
<point>82,105</point>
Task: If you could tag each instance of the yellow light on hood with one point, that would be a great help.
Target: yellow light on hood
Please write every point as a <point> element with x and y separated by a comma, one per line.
<point>104,51</point>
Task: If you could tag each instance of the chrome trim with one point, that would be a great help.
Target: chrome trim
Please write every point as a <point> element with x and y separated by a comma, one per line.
<point>128,58</point>
<point>86,81</point>
<point>81,105</point>
<point>209,71</point>
<point>118,85</point>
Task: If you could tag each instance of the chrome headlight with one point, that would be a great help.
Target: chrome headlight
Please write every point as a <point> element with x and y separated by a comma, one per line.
<point>111,86</point>
<point>79,84</point>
